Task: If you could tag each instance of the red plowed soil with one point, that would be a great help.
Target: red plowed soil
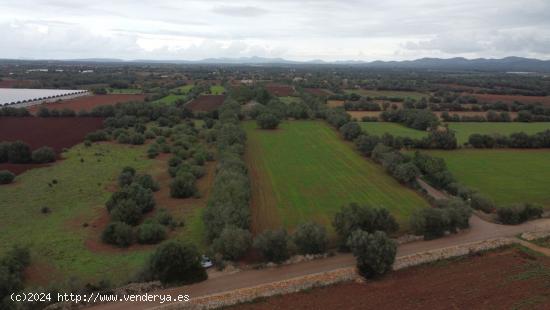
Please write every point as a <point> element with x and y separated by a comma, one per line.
<point>511,98</point>
<point>57,133</point>
<point>280,90</point>
<point>7,83</point>
<point>508,279</point>
<point>89,102</point>
<point>206,103</point>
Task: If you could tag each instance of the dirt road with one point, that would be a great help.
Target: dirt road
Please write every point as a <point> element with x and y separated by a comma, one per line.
<point>480,230</point>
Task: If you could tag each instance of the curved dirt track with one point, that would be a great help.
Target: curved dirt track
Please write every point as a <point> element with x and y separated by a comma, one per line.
<point>480,230</point>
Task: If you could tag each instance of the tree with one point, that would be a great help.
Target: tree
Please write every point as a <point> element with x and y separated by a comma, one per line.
<point>273,244</point>
<point>432,223</point>
<point>482,202</point>
<point>375,253</point>
<point>127,211</point>
<point>118,233</point>
<point>268,120</point>
<point>310,238</point>
<point>366,144</point>
<point>146,181</point>
<point>6,177</point>
<point>19,153</point>
<point>4,151</point>
<point>353,217</point>
<point>176,262</point>
<point>350,131</point>
<point>232,243</point>
<point>406,172</point>
<point>151,233</point>
<point>183,186</point>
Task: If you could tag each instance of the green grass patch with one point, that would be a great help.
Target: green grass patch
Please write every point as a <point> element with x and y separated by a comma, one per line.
<point>395,129</point>
<point>127,91</point>
<point>507,176</point>
<point>464,130</point>
<point>185,89</point>
<point>217,90</point>
<point>543,242</point>
<point>305,171</point>
<point>58,239</point>
<point>170,99</point>
<point>388,93</point>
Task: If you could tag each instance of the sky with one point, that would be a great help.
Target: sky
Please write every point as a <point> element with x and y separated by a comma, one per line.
<point>297,30</point>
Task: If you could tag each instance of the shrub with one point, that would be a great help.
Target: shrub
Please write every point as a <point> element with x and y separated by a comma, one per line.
<point>119,234</point>
<point>6,177</point>
<point>12,265</point>
<point>366,144</point>
<point>310,238</point>
<point>406,172</point>
<point>146,181</point>
<point>232,243</point>
<point>4,151</point>
<point>375,253</point>
<point>268,120</point>
<point>273,244</point>
<point>153,151</point>
<point>19,153</point>
<point>136,138</point>
<point>127,211</point>
<point>176,262</point>
<point>126,178</point>
<point>363,217</point>
<point>183,186</point>
<point>513,215</point>
<point>43,155</point>
<point>432,223</point>
<point>150,233</point>
<point>350,131</point>
<point>483,203</point>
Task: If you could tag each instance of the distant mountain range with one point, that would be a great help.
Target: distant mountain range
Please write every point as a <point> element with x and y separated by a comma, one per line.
<point>508,64</point>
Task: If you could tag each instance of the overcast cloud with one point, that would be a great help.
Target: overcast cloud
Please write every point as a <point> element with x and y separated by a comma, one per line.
<point>297,30</point>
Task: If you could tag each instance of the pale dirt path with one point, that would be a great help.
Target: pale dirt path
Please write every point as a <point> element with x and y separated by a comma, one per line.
<point>480,230</point>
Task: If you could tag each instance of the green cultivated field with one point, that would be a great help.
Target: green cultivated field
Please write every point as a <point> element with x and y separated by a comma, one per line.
<point>217,90</point>
<point>398,130</point>
<point>290,99</point>
<point>507,176</point>
<point>131,91</point>
<point>387,93</point>
<point>305,171</point>
<point>464,130</point>
<point>185,89</point>
<point>170,99</point>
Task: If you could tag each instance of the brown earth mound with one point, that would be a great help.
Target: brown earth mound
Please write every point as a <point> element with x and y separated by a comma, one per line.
<point>490,98</point>
<point>507,279</point>
<point>280,90</point>
<point>206,103</point>
<point>87,103</point>
<point>57,133</point>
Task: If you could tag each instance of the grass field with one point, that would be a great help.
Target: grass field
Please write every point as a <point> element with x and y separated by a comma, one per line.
<point>464,130</point>
<point>170,99</point>
<point>398,130</point>
<point>217,90</point>
<point>507,176</point>
<point>305,171</point>
<point>184,89</point>
<point>129,91</point>
<point>388,93</point>
<point>61,246</point>
<point>290,99</point>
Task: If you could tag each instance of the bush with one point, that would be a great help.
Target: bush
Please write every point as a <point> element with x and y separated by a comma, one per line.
<point>366,144</point>
<point>432,223</point>
<point>146,181</point>
<point>310,238</point>
<point>153,151</point>
<point>483,203</point>
<point>375,253</point>
<point>183,186</point>
<point>406,172</point>
<point>268,120</point>
<point>4,151</point>
<point>164,218</point>
<point>6,177</point>
<point>119,234</point>
<point>513,215</point>
<point>350,131</point>
<point>353,217</point>
<point>232,243</point>
<point>43,155</point>
<point>127,211</point>
<point>12,265</point>
<point>176,262</point>
<point>273,244</point>
<point>150,233</point>
<point>19,153</point>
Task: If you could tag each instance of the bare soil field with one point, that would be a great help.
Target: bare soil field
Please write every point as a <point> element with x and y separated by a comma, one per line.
<point>360,114</point>
<point>87,103</point>
<point>206,103</point>
<point>57,133</point>
<point>9,83</point>
<point>504,279</point>
<point>511,98</point>
<point>335,103</point>
<point>280,90</point>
